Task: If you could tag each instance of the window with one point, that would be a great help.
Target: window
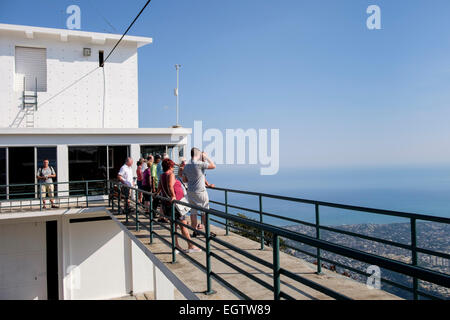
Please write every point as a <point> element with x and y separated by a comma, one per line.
<point>152,150</point>
<point>21,172</point>
<point>31,65</point>
<point>90,163</point>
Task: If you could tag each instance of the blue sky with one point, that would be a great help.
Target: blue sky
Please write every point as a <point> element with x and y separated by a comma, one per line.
<point>341,95</point>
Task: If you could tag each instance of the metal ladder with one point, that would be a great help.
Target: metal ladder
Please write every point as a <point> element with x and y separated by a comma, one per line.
<point>29,104</point>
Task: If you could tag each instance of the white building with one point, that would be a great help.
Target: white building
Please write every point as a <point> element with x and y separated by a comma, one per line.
<point>84,119</point>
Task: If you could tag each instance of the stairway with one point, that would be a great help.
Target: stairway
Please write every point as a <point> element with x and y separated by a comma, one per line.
<point>29,104</point>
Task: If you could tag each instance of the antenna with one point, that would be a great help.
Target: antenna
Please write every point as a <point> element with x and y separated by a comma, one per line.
<point>177,67</point>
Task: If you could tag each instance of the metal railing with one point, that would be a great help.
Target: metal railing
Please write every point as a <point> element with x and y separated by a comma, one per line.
<point>121,202</point>
<point>318,227</point>
<point>30,195</point>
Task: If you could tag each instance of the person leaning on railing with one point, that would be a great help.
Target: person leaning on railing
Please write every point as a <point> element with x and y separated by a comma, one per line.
<point>139,172</point>
<point>125,176</point>
<point>170,187</point>
<point>45,177</point>
<point>147,182</point>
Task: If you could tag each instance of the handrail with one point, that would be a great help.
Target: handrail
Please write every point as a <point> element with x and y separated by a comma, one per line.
<point>413,217</point>
<point>90,190</point>
<point>341,206</point>
<point>416,272</point>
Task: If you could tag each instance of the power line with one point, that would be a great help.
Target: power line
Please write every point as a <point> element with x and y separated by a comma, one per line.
<point>128,29</point>
<point>69,86</point>
<point>87,74</point>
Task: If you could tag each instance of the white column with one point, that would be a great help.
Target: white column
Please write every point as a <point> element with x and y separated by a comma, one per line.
<point>62,163</point>
<point>135,153</point>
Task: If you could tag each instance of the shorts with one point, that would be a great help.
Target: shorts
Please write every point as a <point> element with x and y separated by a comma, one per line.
<point>167,209</point>
<point>200,199</point>
<point>148,189</point>
<point>47,190</point>
<point>139,184</point>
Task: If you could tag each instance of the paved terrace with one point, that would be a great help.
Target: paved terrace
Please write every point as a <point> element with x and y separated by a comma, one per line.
<point>195,278</point>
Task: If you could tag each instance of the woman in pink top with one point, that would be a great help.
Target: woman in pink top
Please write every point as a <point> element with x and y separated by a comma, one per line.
<point>170,187</point>
<point>139,178</point>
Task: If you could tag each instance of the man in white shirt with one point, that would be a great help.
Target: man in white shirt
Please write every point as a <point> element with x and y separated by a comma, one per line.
<point>126,173</point>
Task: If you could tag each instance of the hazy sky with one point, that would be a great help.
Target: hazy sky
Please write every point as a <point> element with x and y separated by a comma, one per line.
<point>341,95</point>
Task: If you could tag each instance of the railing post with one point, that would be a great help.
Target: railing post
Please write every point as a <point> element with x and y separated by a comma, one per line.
<point>276,267</point>
<point>150,211</point>
<point>261,221</point>
<point>319,260</point>
<point>111,190</point>
<point>40,197</point>
<point>209,289</point>
<point>172,231</point>
<point>136,203</point>
<point>108,191</point>
<point>414,256</point>
<point>87,193</point>
<point>119,190</point>
<point>127,198</point>
<point>227,228</point>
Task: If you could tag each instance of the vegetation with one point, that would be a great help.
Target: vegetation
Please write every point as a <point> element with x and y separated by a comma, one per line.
<point>253,233</point>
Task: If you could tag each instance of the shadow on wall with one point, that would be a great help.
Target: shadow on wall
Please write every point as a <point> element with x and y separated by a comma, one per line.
<point>20,116</point>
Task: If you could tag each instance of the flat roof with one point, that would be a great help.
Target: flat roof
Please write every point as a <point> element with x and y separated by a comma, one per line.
<point>94,131</point>
<point>64,35</point>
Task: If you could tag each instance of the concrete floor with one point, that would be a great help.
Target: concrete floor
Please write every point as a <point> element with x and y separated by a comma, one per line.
<point>195,278</point>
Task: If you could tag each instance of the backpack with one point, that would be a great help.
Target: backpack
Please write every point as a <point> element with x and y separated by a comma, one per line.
<point>51,169</point>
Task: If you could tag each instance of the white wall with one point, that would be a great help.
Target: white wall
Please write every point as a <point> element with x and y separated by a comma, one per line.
<point>23,261</point>
<point>108,97</point>
<point>97,260</point>
<point>102,263</point>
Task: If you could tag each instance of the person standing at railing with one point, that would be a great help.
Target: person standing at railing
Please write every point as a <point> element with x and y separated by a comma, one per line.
<point>147,182</point>
<point>170,187</point>
<point>126,173</point>
<point>139,177</point>
<point>125,176</point>
<point>156,173</point>
<point>194,175</point>
<point>45,176</point>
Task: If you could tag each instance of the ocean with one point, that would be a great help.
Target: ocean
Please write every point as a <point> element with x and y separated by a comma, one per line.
<point>424,190</point>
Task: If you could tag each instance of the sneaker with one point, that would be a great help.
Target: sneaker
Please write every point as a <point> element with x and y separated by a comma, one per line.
<point>54,206</point>
<point>193,250</point>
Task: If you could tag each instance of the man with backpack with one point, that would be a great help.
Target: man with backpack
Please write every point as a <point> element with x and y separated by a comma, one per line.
<point>45,177</point>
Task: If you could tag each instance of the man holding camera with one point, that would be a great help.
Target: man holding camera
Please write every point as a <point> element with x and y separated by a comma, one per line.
<point>194,175</point>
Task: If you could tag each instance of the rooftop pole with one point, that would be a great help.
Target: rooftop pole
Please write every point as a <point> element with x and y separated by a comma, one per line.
<point>177,67</point>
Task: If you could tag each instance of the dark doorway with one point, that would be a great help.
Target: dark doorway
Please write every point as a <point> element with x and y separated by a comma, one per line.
<point>52,260</point>
<point>21,171</point>
<point>117,156</point>
<point>49,153</point>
